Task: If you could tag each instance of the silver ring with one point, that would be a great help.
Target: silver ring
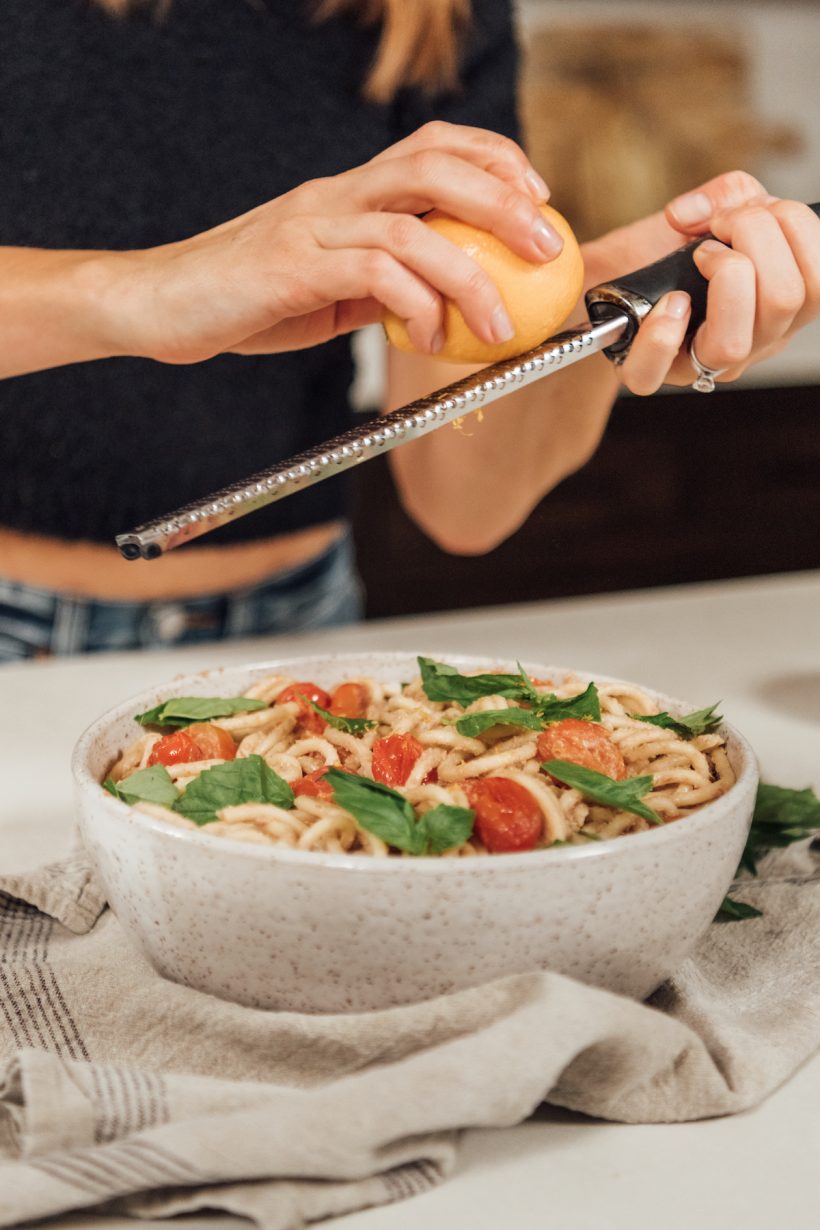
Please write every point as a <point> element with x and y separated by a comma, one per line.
<point>706,377</point>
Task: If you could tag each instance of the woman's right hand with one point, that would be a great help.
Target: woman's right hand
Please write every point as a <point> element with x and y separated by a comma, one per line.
<point>332,254</point>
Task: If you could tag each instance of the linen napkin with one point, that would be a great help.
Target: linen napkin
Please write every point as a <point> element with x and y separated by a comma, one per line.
<point>122,1092</point>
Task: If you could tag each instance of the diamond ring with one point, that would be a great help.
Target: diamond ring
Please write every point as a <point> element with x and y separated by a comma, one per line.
<point>705,382</point>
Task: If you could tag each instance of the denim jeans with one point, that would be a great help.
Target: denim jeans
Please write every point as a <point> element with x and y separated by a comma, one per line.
<point>323,592</point>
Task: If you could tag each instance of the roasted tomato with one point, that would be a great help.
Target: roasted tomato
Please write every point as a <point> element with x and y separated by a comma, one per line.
<point>507,817</point>
<point>394,758</point>
<point>583,743</point>
<point>178,748</point>
<point>315,784</point>
<point>350,700</point>
<point>303,694</point>
<point>214,742</point>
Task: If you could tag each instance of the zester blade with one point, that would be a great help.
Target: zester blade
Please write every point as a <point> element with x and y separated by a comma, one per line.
<point>370,439</point>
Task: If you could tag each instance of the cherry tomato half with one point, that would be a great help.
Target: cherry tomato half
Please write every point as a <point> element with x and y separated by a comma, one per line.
<point>507,817</point>
<point>199,741</point>
<point>315,785</point>
<point>214,742</point>
<point>303,694</point>
<point>394,758</point>
<point>583,743</point>
<point>178,748</point>
<point>350,700</point>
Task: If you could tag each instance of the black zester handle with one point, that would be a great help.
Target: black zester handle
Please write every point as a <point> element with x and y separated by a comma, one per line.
<point>635,294</point>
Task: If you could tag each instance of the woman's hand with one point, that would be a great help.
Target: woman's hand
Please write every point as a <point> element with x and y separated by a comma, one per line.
<point>763,270</point>
<point>470,490</point>
<point>329,256</point>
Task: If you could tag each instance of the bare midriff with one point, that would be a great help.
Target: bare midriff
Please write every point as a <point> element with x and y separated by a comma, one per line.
<point>91,570</point>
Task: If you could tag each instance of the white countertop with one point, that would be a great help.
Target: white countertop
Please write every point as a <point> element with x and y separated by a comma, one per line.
<point>754,644</point>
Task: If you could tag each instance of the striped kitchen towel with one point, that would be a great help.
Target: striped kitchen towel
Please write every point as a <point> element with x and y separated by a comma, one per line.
<point>122,1092</point>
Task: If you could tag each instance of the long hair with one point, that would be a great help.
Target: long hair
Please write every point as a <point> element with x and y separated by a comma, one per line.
<point>419,43</point>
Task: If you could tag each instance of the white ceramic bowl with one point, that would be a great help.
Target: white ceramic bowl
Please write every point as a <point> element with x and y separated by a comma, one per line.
<point>309,932</point>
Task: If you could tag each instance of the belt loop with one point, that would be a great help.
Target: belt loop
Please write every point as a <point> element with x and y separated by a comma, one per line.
<point>69,632</point>
<point>240,617</point>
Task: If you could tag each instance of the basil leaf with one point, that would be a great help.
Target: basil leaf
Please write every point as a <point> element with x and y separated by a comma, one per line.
<point>626,795</point>
<point>781,816</point>
<point>151,785</point>
<point>380,810</point>
<point>349,726</point>
<point>586,704</point>
<point>180,711</point>
<point>447,827</point>
<point>731,910</point>
<point>441,682</point>
<point>390,816</point>
<point>444,683</point>
<point>476,723</point>
<point>699,722</point>
<point>248,780</point>
<point>551,708</point>
<point>525,679</point>
<point>546,708</point>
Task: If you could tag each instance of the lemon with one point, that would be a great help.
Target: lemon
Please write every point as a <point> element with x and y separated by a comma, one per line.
<point>538,297</point>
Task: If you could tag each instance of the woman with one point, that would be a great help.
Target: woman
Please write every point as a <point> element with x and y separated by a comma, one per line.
<point>162,333</point>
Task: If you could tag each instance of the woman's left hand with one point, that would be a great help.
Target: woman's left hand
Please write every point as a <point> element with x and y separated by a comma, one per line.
<point>763,270</point>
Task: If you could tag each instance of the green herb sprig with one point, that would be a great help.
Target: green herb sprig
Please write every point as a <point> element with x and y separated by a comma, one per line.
<point>732,911</point>
<point>348,725</point>
<point>474,724</point>
<point>781,817</point>
<point>586,705</point>
<point>151,785</point>
<point>689,726</point>
<point>441,682</point>
<point>181,711</point>
<point>388,815</point>
<point>444,683</point>
<point>247,780</point>
<point>626,794</point>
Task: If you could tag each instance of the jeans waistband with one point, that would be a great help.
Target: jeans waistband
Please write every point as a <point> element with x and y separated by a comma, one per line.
<point>325,590</point>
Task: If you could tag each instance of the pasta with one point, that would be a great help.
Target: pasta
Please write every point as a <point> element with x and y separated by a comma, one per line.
<point>466,777</point>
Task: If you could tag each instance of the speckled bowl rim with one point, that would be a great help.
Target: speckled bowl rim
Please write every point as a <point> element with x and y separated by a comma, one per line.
<point>704,818</point>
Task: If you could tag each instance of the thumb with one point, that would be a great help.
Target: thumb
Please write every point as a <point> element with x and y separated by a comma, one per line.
<point>692,213</point>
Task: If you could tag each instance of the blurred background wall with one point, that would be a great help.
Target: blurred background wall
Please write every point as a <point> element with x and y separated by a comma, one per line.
<point>626,105</point>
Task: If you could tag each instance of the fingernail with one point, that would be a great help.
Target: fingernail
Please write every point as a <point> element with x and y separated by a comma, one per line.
<point>547,240</point>
<point>692,208</point>
<point>537,186</point>
<point>501,326</point>
<point>677,305</point>
<point>710,245</point>
<point>437,341</point>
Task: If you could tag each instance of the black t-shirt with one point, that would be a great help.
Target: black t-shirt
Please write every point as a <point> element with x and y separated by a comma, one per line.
<point>130,133</point>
